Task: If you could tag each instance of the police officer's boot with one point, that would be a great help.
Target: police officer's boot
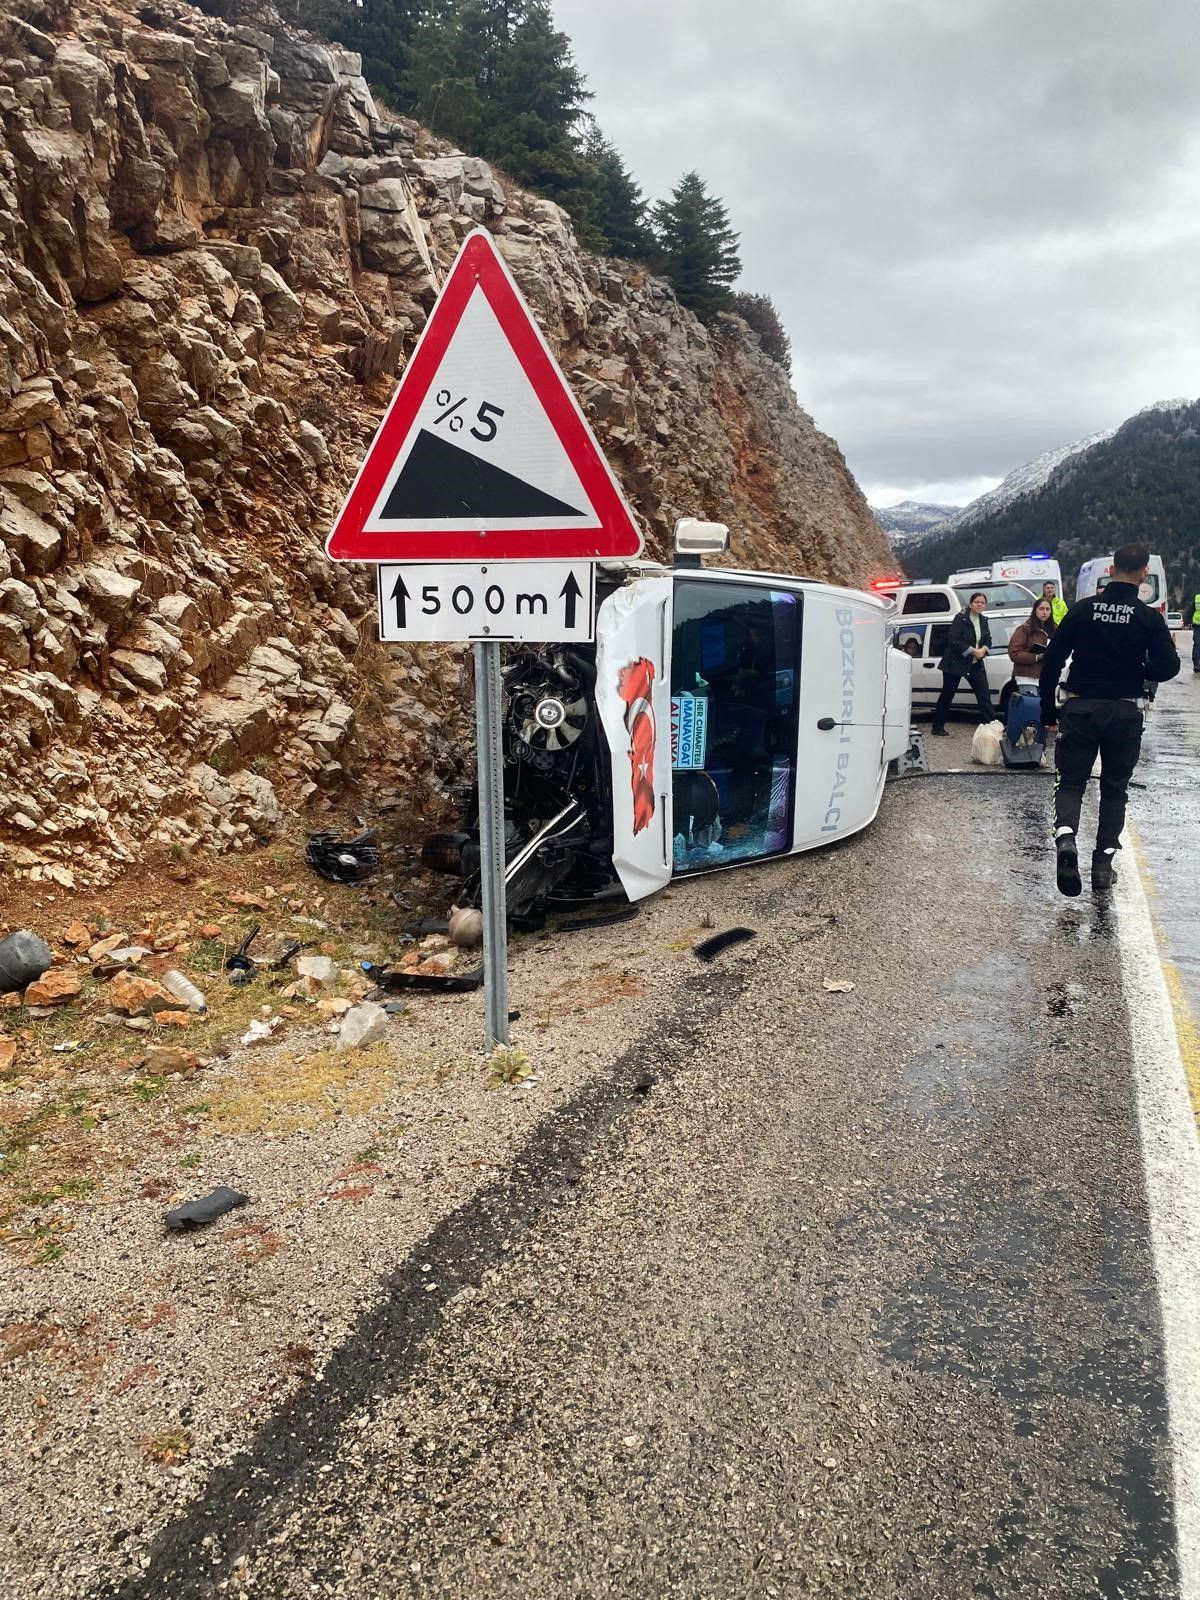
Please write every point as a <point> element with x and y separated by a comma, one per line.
<point>1069,881</point>
<point>1102,871</point>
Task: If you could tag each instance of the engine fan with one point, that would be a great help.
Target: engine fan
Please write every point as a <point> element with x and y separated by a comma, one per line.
<point>547,709</point>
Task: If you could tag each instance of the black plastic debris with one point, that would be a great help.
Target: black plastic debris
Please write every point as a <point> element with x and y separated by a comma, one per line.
<point>392,980</point>
<point>23,959</point>
<point>342,860</point>
<point>577,924</point>
<point>239,961</point>
<point>426,926</point>
<point>198,1213</point>
<point>708,948</point>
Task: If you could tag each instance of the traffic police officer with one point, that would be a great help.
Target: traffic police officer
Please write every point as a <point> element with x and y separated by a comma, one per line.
<point>1116,644</point>
<point>1194,622</point>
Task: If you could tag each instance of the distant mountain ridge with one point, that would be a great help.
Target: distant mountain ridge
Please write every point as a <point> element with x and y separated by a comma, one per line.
<point>910,520</point>
<point>1139,480</point>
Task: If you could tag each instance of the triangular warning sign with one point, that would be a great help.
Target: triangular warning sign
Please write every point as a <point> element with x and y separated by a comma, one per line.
<point>483,453</point>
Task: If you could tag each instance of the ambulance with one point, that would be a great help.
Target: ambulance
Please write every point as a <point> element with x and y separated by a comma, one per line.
<point>720,718</point>
<point>1032,571</point>
<point>1094,575</point>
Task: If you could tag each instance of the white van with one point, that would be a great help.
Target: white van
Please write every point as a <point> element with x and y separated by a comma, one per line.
<point>1032,570</point>
<point>720,718</point>
<point>1094,576</point>
<point>924,613</point>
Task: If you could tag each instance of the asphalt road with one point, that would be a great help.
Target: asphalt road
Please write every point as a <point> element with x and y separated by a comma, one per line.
<point>811,1293</point>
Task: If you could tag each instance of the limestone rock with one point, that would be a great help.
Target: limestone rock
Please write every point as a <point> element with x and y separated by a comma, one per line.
<point>55,987</point>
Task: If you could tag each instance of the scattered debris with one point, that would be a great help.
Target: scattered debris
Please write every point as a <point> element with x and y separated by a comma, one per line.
<point>837,985</point>
<point>184,989</point>
<point>68,1047</point>
<point>262,1029</point>
<point>240,961</point>
<point>708,948</point>
<point>362,1025</point>
<point>23,959</point>
<point>625,914</point>
<point>394,979</point>
<point>198,1213</point>
<point>465,927</point>
<point>342,860</point>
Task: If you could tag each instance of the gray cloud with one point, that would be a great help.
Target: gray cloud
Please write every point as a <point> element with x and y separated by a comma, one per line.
<point>979,219</point>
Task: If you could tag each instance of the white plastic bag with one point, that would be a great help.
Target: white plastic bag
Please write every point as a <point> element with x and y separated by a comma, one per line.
<point>985,745</point>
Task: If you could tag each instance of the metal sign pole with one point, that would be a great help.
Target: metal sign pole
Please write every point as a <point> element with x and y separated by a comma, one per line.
<point>491,842</point>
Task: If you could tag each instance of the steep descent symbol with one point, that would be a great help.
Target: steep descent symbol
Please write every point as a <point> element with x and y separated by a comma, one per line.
<point>484,453</point>
<point>439,481</point>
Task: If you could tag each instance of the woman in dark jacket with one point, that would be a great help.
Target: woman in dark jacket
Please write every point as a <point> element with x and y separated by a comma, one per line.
<point>966,648</point>
<point>1028,643</point>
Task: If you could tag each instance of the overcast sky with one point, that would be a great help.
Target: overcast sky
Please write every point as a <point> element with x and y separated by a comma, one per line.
<point>979,219</point>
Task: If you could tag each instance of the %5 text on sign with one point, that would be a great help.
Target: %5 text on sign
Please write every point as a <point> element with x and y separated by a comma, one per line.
<point>532,602</point>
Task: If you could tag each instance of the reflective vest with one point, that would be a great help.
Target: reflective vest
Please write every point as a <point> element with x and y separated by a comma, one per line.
<point>1196,610</point>
<point>1059,609</point>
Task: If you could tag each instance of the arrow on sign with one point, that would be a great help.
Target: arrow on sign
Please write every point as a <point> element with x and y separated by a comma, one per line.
<point>400,596</point>
<point>570,596</point>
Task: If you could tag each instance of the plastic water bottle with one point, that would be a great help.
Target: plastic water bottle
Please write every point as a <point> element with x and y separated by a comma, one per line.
<point>184,989</point>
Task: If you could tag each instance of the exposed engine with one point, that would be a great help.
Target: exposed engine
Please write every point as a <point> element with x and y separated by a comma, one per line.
<point>557,815</point>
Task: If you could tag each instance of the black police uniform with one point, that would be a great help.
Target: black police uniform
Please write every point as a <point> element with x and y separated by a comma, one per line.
<point>1192,620</point>
<point>1116,644</point>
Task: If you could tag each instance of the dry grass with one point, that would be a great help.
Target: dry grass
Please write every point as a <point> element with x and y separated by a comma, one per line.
<point>280,1095</point>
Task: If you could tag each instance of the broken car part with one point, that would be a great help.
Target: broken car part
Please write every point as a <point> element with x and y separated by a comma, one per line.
<point>342,860</point>
<point>239,961</point>
<point>198,1213</point>
<point>708,948</point>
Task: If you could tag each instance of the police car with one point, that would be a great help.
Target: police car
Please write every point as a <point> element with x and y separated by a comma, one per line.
<point>721,718</point>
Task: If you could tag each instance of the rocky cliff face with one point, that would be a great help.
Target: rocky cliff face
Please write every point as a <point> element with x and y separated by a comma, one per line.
<point>215,257</point>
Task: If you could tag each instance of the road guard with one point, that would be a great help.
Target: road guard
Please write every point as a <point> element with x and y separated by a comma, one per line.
<point>1117,645</point>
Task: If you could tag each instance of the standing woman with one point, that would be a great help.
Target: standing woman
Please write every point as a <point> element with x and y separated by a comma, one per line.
<point>969,641</point>
<point>1026,648</point>
<point>1028,643</point>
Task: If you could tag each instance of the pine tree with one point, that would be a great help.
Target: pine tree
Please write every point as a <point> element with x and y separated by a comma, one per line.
<point>534,97</point>
<point>758,311</point>
<point>697,248</point>
<point>619,211</point>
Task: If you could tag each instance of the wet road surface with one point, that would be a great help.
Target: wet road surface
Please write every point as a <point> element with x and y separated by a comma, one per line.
<point>1166,822</point>
<point>812,1294</point>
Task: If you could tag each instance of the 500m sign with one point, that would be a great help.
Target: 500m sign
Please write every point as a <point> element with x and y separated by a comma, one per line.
<point>533,601</point>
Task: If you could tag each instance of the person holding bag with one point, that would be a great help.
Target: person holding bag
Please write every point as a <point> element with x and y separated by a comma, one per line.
<point>1026,648</point>
<point>966,649</point>
<point>1030,642</point>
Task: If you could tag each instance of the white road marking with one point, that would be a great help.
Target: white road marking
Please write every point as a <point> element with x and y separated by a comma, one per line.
<point>1171,1153</point>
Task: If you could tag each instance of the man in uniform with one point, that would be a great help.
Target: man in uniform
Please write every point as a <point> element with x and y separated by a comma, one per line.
<point>1058,606</point>
<point>1191,619</point>
<point>1116,644</point>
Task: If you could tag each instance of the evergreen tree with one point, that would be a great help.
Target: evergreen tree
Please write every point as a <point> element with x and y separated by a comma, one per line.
<point>440,86</point>
<point>534,96</point>
<point>758,311</point>
<point>697,248</point>
<point>619,211</point>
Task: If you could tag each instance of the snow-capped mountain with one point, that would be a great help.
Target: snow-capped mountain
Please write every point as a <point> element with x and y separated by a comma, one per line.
<point>904,522</point>
<point>1028,479</point>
